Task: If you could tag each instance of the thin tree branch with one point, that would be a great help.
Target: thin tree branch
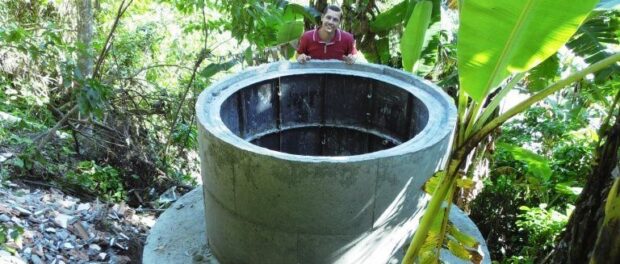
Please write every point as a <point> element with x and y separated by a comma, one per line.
<point>201,58</point>
<point>121,10</point>
<point>75,108</point>
<point>53,130</point>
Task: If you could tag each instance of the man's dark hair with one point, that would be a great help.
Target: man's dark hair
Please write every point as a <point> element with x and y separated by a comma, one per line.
<point>333,8</point>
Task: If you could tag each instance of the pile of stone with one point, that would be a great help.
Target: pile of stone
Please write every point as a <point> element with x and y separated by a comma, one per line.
<point>57,228</point>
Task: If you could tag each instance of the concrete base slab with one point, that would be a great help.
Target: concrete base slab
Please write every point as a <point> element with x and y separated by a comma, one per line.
<point>179,236</point>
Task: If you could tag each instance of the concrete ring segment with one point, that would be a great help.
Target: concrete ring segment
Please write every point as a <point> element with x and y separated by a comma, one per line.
<point>320,162</point>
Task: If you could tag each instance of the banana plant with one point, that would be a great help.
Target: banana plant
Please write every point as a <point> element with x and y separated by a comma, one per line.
<point>497,40</point>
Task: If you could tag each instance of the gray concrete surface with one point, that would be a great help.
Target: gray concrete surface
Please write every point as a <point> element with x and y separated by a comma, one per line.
<point>179,236</point>
<point>275,206</point>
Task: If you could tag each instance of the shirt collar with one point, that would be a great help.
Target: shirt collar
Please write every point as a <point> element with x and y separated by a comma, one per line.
<point>315,36</point>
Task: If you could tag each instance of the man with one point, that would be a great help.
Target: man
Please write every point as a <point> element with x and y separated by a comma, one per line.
<point>328,41</point>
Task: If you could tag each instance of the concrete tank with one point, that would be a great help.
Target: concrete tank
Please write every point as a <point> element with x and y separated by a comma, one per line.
<point>318,163</point>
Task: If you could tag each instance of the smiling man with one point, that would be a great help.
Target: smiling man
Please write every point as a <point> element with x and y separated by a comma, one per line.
<point>328,41</point>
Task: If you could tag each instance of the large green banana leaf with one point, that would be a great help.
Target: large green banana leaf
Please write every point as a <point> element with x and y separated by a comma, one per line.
<point>413,38</point>
<point>602,27</point>
<point>390,18</point>
<point>499,37</point>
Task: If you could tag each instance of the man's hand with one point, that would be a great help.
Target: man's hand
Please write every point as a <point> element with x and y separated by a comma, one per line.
<point>349,59</point>
<point>302,58</point>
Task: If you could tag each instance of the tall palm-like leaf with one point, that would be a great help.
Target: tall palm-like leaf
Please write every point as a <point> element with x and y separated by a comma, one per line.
<point>602,27</point>
<point>413,38</point>
<point>497,38</point>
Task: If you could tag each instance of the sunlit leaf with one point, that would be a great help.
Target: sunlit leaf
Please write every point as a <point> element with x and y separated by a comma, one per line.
<point>567,189</point>
<point>383,48</point>
<point>458,250</point>
<point>431,184</point>
<point>465,183</point>
<point>543,74</point>
<point>589,42</point>
<point>412,41</point>
<point>214,68</point>
<point>387,20</point>
<point>309,13</point>
<point>537,164</point>
<point>497,38</point>
<point>428,251</point>
<point>289,31</point>
<point>465,239</point>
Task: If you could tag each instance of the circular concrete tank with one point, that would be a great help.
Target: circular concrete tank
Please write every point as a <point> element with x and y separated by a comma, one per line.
<point>318,163</point>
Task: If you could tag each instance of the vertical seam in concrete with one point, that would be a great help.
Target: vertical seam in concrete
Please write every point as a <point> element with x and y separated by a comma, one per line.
<point>322,115</point>
<point>241,105</point>
<point>277,110</point>
<point>371,90</point>
<point>374,200</point>
<point>409,117</point>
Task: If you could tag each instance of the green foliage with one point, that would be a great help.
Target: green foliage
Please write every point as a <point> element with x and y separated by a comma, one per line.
<point>537,165</point>
<point>214,68</point>
<point>542,226</point>
<point>499,38</point>
<point>592,39</point>
<point>543,74</point>
<point>413,38</point>
<point>102,180</point>
<point>542,179</point>
<point>9,234</point>
<point>387,20</point>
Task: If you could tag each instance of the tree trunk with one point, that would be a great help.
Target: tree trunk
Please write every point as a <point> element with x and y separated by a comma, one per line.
<point>85,38</point>
<point>578,242</point>
<point>607,249</point>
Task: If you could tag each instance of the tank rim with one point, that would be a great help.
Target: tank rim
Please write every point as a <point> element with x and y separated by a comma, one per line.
<point>442,112</point>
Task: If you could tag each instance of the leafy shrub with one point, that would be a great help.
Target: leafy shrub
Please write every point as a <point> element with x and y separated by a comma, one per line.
<point>103,181</point>
<point>9,233</point>
<point>542,225</point>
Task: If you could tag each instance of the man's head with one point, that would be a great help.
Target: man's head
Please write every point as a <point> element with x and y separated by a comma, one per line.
<point>330,20</point>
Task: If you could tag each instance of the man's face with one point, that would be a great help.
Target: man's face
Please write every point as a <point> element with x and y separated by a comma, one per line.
<point>330,20</point>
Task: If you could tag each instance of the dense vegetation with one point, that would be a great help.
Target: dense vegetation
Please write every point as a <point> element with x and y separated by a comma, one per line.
<point>97,98</point>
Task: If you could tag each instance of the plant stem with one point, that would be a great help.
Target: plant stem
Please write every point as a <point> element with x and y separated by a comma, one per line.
<point>433,207</point>
<point>463,148</point>
<point>473,140</point>
<point>489,109</point>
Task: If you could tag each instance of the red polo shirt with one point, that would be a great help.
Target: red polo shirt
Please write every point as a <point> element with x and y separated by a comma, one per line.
<point>341,44</point>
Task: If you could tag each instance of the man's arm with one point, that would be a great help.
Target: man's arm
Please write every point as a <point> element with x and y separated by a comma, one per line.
<point>349,59</point>
<point>351,52</point>
<point>302,49</point>
<point>302,58</point>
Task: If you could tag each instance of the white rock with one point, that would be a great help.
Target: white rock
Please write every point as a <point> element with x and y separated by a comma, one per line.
<point>16,220</point>
<point>40,212</point>
<point>68,245</point>
<point>67,203</point>
<point>7,258</point>
<point>22,210</point>
<point>94,247</point>
<point>83,206</point>
<point>102,256</point>
<point>4,218</point>
<point>36,260</point>
<point>62,220</point>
